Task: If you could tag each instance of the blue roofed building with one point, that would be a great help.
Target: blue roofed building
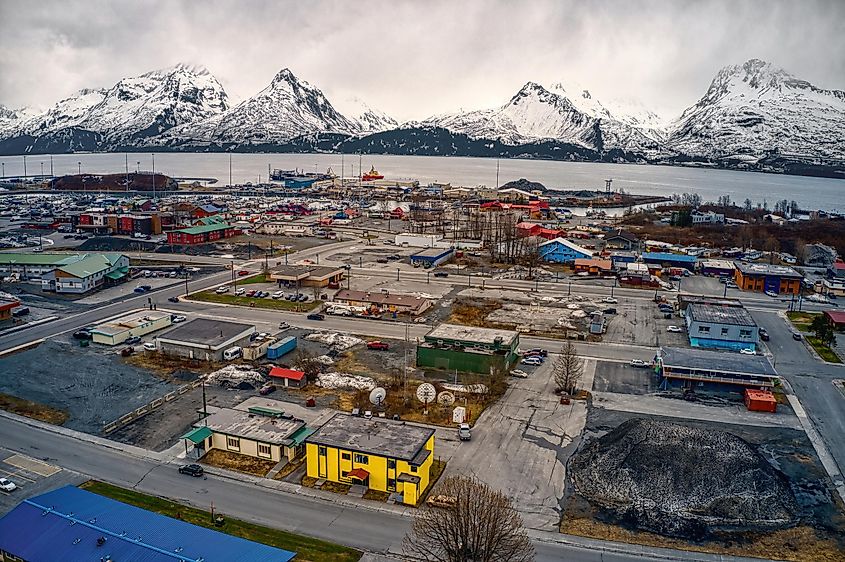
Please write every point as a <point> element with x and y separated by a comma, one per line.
<point>667,259</point>
<point>561,250</point>
<point>74,525</point>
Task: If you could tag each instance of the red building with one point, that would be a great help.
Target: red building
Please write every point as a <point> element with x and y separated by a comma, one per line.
<point>202,234</point>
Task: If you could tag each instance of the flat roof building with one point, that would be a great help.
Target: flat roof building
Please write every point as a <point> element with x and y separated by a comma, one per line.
<point>384,455</point>
<point>306,275</point>
<point>723,326</point>
<point>204,339</point>
<point>466,348</point>
<point>432,257</point>
<point>74,524</point>
<point>138,324</point>
<point>767,278</point>
<point>691,368</point>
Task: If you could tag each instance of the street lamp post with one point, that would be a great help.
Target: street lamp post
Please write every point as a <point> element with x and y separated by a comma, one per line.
<point>397,274</point>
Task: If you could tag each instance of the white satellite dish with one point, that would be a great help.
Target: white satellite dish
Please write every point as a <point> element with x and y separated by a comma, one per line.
<point>426,393</point>
<point>377,395</point>
<point>445,398</point>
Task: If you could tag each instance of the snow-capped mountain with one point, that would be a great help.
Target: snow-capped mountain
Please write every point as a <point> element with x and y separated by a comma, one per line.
<point>756,108</point>
<point>137,107</point>
<point>285,109</point>
<point>368,119</point>
<point>568,115</point>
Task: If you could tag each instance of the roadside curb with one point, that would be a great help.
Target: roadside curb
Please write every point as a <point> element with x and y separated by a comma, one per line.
<point>23,327</point>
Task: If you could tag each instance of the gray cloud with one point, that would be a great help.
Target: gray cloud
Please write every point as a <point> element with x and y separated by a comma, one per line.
<point>415,59</point>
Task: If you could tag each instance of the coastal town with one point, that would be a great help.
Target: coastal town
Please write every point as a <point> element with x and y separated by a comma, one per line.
<point>360,340</point>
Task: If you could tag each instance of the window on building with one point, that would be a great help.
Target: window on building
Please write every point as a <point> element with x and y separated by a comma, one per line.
<point>724,331</point>
<point>346,456</point>
<point>264,450</point>
<point>321,450</point>
<point>413,469</point>
<point>704,329</point>
<point>363,459</point>
<point>745,333</point>
<point>391,483</point>
<point>391,463</point>
<point>233,443</point>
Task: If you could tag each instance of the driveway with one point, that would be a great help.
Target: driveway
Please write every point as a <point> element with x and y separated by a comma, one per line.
<point>520,445</point>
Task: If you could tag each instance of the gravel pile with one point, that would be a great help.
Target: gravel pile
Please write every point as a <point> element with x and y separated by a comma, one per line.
<point>682,481</point>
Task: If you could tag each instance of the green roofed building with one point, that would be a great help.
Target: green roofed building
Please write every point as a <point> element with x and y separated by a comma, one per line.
<point>67,273</point>
<point>465,348</point>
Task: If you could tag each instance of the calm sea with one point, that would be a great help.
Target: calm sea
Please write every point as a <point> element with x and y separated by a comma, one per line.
<point>810,193</point>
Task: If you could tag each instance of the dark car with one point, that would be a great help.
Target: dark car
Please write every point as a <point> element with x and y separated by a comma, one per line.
<point>764,335</point>
<point>316,316</point>
<point>191,470</point>
<point>82,335</point>
<point>381,260</point>
<point>537,351</point>
<point>267,389</point>
<point>609,311</point>
<point>796,336</point>
<point>173,299</point>
<point>441,274</point>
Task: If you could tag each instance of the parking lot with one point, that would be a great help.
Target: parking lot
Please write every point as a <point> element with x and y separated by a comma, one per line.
<point>31,476</point>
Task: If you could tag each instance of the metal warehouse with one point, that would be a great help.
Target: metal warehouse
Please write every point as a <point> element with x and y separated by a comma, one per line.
<point>692,368</point>
<point>721,326</point>
<point>204,339</point>
<point>769,278</point>
<point>74,524</point>
<point>138,324</point>
<point>465,348</point>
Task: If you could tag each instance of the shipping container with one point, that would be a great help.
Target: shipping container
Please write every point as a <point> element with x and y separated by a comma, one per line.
<point>281,347</point>
<point>760,401</point>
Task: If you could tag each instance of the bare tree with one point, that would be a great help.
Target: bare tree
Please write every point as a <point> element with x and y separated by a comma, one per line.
<point>531,256</point>
<point>567,368</point>
<point>317,291</point>
<point>480,525</point>
<point>307,363</point>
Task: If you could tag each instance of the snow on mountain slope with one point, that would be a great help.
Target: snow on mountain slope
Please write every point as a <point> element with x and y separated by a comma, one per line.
<point>285,109</point>
<point>537,113</point>
<point>141,106</point>
<point>755,108</point>
<point>368,119</point>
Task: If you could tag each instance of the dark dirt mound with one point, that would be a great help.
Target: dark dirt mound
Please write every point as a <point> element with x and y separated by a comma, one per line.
<point>524,185</point>
<point>682,481</point>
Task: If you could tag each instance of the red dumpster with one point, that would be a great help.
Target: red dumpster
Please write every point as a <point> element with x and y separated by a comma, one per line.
<point>760,401</point>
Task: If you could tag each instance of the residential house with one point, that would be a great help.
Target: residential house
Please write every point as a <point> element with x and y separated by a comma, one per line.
<point>561,250</point>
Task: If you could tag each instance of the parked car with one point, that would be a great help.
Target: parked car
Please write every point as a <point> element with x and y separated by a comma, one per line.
<point>173,299</point>
<point>772,294</point>
<point>283,325</point>
<point>464,432</point>
<point>638,363</point>
<point>796,336</point>
<point>278,294</point>
<point>732,285</point>
<point>441,274</point>
<point>534,361</point>
<point>610,300</point>
<point>674,329</point>
<point>222,289</point>
<point>7,485</point>
<point>149,346</point>
<point>194,470</point>
<point>267,389</point>
<point>243,273</point>
<point>537,351</point>
<point>83,334</point>
<point>380,345</point>
<point>140,289</point>
<point>519,373</point>
<point>240,291</point>
<point>147,273</point>
<point>764,335</point>
<point>303,298</point>
<point>381,260</point>
<point>609,311</point>
<point>315,316</point>
<point>746,351</point>
<point>132,340</point>
<point>176,318</point>
<point>250,293</point>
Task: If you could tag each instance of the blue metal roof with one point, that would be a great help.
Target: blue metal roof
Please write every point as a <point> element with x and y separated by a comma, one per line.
<point>65,524</point>
<point>666,256</point>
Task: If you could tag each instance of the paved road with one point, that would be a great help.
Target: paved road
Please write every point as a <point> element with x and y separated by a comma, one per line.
<point>364,529</point>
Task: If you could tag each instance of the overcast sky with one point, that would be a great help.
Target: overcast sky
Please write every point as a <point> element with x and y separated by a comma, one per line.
<point>416,59</point>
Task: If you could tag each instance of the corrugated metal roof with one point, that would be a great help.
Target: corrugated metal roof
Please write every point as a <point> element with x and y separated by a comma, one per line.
<point>198,435</point>
<point>203,229</point>
<point>64,525</point>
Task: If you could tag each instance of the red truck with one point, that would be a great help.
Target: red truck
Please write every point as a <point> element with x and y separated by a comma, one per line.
<point>380,345</point>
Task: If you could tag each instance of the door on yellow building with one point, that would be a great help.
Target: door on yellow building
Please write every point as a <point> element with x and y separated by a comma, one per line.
<point>345,464</point>
<point>322,462</point>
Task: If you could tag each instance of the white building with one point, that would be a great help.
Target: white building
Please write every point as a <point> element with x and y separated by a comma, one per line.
<point>707,218</point>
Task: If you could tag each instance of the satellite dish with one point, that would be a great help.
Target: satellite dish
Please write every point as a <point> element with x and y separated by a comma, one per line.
<point>445,398</point>
<point>377,395</point>
<point>426,393</point>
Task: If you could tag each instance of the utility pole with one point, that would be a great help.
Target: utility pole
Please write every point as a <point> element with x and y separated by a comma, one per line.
<point>24,165</point>
<point>230,170</point>
<point>127,171</point>
<point>51,165</point>
<point>497,173</point>
<point>154,177</point>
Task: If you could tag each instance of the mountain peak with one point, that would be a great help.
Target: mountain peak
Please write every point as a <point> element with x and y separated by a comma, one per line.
<point>286,76</point>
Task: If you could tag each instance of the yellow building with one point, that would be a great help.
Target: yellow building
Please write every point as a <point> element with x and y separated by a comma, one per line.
<point>381,454</point>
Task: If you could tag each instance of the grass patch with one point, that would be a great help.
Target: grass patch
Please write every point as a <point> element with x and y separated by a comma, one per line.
<point>238,462</point>
<point>272,304</point>
<point>260,278</point>
<point>473,314</point>
<point>308,481</point>
<point>801,544</point>
<point>307,549</point>
<point>335,487</point>
<point>801,320</point>
<point>30,409</point>
<point>824,352</point>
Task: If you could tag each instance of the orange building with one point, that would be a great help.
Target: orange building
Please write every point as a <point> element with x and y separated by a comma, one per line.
<point>767,278</point>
